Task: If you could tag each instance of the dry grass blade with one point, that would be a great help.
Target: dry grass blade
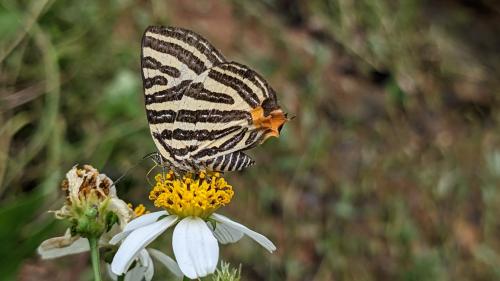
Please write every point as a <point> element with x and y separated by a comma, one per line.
<point>11,101</point>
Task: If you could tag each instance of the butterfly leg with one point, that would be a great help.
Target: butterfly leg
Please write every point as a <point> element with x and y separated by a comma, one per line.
<point>163,169</point>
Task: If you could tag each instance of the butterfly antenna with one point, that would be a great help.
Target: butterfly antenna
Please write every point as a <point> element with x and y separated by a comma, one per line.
<point>149,172</point>
<point>135,165</point>
<point>150,155</point>
<point>124,174</point>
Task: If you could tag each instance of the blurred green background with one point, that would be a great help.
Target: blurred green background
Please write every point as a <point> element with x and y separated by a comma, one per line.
<point>390,170</point>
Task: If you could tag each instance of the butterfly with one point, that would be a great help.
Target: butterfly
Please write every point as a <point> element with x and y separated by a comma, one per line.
<point>203,111</point>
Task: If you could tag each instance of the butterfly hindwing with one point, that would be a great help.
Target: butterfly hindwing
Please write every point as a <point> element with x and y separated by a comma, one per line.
<point>236,91</point>
<point>235,161</point>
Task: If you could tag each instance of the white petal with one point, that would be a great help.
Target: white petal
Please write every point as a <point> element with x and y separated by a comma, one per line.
<point>142,271</point>
<point>195,248</point>
<point>143,258</point>
<point>135,274</point>
<point>119,237</point>
<point>225,234</point>
<point>141,221</point>
<point>111,275</point>
<point>259,238</point>
<point>136,241</point>
<point>167,261</point>
<point>62,246</point>
<point>144,220</point>
<point>147,263</point>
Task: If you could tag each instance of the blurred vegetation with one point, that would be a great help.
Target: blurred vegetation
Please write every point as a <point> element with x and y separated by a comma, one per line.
<point>389,171</point>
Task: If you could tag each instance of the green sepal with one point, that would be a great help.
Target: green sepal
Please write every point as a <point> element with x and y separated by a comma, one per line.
<point>110,220</point>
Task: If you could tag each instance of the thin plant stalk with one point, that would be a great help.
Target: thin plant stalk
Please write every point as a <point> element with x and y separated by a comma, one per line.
<point>94,257</point>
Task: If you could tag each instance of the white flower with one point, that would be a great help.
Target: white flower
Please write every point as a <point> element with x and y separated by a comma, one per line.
<point>189,203</point>
<point>194,241</point>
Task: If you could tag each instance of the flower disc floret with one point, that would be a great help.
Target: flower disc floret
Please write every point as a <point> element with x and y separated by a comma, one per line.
<point>197,195</point>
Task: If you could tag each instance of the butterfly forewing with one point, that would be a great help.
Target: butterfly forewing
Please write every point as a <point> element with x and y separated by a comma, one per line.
<point>202,111</point>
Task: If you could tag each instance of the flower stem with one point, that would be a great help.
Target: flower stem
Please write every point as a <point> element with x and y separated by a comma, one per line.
<point>94,257</point>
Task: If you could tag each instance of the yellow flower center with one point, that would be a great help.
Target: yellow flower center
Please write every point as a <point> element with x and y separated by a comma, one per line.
<point>139,210</point>
<point>196,195</point>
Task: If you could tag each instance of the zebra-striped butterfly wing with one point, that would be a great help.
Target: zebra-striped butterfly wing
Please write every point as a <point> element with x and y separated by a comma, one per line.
<point>203,111</point>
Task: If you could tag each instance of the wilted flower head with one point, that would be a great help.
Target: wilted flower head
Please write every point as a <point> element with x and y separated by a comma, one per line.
<point>91,204</point>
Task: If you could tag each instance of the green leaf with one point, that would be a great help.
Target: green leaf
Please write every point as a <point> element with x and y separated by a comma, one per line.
<point>22,233</point>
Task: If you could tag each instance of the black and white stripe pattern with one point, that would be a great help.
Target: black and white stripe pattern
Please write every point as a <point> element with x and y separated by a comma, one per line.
<point>230,162</point>
<point>198,105</point>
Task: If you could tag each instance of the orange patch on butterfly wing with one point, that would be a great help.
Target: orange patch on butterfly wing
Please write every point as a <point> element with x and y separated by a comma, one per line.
<point>271,123</point>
